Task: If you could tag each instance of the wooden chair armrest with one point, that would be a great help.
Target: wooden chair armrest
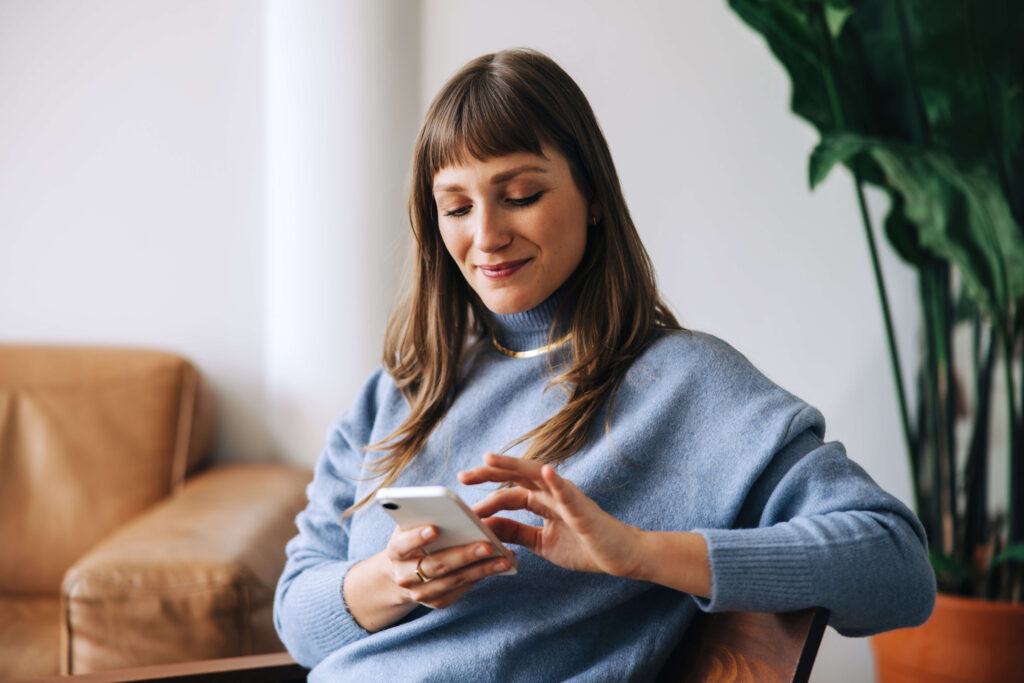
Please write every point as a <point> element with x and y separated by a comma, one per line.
<point>272,668</point>
<point>754,647</point>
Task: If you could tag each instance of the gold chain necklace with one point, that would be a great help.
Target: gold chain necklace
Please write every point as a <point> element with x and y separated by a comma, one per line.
<point>531,353</point>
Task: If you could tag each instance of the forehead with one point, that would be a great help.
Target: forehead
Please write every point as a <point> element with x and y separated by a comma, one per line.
<point>469,169</point>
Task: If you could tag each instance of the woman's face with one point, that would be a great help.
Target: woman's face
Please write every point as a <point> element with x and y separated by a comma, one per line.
<point>516,226</point>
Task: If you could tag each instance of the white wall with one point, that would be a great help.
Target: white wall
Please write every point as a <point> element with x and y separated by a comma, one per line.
<point>226,179</point>
<point>131,185</point>
<point>342,89</point>
<point>221,179</point>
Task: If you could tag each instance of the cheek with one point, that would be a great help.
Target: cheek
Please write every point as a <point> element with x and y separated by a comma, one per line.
<point>453,242</point>
<point>570,242</point>
<point>579,247</point>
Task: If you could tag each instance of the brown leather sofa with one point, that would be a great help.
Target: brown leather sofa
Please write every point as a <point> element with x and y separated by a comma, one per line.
<point>116,550</point>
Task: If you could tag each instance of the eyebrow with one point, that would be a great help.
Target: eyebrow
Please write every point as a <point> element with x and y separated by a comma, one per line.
<point>498,178</point>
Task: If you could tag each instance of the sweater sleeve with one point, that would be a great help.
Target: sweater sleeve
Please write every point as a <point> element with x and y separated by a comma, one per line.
<point>309,608</point>
<point>816,531</point>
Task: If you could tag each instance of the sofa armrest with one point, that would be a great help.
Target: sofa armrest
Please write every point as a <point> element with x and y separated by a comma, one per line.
<point>192,578</point>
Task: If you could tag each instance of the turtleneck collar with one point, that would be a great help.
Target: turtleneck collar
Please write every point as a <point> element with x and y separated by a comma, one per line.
<point>527,330</point>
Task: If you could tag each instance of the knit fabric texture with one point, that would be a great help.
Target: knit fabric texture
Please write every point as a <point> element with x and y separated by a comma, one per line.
<point>698,440</point>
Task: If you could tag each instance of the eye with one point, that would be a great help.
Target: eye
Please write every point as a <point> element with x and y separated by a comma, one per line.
<point>525,201</point>
<point>457,213</point>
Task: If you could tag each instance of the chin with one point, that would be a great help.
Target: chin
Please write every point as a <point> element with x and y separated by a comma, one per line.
<point>504,309</point>
<point>506,305</point>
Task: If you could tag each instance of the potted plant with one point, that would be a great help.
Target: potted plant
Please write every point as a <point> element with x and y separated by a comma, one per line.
<point>925,101</point>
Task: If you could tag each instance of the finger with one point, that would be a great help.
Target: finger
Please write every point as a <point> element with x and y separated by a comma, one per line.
<point>526,468</point>
<point>530,470</point>
<point>575,507</point>
<point>480,475</point>
<point>434,589</point>
<point>515,499</point>
<point>502,499</point>
<point>510,531</point>
<point>563,490</point>
<point>435,593</point>
<point>439,564</point>
<point>405,543</point>
<point>449,598</point>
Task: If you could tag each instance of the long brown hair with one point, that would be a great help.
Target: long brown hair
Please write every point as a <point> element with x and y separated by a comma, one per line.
<point>518,101</point>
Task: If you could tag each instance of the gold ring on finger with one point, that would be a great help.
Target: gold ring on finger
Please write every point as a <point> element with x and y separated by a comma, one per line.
<point>419,572</point>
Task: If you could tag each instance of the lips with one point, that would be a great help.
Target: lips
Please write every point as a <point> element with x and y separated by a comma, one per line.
<point>501,271</point>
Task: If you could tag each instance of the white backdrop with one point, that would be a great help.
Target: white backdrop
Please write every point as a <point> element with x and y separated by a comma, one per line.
<point>226,179</point>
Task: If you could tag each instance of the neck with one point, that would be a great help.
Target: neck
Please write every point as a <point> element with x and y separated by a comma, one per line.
<point>529,330</point>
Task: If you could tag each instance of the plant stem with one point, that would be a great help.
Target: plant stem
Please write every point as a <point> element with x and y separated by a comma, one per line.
<point>936,296</point>
<point>921,135</point>
<point>1014,511</point>
<point>828,75</point>
<point>976,529</point>
<point>1018,337</point>
<point>929,427</point>
<point>942,373</point>
<point>1016,475</point>
<point>947,397</point>
<point>890,333</point>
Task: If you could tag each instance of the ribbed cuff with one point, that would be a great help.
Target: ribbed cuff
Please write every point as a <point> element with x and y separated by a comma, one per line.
<point>757,570</point>
<point>329,623</point>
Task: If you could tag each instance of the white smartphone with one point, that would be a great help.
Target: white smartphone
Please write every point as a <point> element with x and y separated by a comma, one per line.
<point>412,506</point>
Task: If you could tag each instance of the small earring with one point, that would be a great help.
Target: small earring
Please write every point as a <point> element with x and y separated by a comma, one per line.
<point>593,220</point>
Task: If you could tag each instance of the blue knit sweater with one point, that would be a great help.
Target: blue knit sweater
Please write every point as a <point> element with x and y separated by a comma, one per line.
<point>699,440</point>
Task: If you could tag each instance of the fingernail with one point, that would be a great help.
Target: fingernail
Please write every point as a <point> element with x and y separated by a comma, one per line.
<point>428,533</point>
<point>483,551</point>
<point>500,565</point>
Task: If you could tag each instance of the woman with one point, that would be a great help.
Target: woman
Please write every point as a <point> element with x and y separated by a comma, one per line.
<point>648,471</point>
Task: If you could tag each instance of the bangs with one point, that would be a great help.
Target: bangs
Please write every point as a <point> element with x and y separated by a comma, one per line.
<point>481,117</point>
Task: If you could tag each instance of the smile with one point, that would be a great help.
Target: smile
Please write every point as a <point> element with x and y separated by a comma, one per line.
<point>500,271</point>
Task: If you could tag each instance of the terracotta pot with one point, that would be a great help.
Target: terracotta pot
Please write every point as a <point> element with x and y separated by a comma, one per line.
<point>965,640</point>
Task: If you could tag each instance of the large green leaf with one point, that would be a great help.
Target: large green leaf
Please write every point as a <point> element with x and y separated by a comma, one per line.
<point>790,37</point>
<point>970,68</point>
<point>953,81</point>
<point>959,214</point>
<point>836,14</point>
<point>871,51</point>
<point>901,233</point>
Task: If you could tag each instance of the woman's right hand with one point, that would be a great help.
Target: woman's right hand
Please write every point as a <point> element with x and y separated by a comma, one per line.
<point>385,587</point>
<point>447,574</point>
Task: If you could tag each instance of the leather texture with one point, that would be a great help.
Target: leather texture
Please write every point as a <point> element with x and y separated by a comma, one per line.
<point>29,637</point>
<point>89,438</point>
<point>193,578</point>
<point>96,445</point>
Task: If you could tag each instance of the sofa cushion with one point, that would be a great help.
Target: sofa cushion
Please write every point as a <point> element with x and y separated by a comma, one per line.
<point>89,438</point>
<point>192,578</point>
<point>29,637</point>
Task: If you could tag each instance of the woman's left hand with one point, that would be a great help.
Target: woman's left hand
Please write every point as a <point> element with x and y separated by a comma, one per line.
<point>577,534</point>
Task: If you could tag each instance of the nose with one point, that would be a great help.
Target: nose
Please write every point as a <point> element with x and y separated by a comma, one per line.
<point>491,231</point>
